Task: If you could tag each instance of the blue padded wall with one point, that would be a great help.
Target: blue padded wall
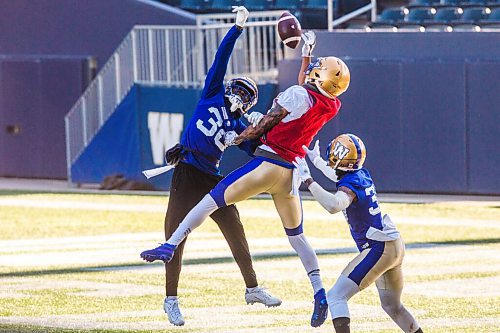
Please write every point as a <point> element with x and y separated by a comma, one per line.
<point>483,102</point>
<point>433,123</point>
<point>115,148</point>
<point>148,121</point>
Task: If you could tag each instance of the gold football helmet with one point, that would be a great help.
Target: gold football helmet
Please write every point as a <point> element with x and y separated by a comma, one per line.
<point>330,75</point>
<point>346,152</point>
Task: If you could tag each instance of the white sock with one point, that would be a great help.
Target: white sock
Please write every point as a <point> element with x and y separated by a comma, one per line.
<point>251,290</point>
<point>193,219</point>
<point>168,298</point>
<point>315,278</point>
<point>308,258</point>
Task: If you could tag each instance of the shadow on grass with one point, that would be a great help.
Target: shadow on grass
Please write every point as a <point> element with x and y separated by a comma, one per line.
<point>221,260</point>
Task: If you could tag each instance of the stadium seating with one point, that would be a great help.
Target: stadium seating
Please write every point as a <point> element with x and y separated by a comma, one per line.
<point>315,4</point>
<point>381,28</point>
<point>314,14</point>
<point>258,4</point>
<point>467,27</point>
<point>438,28</point>
<point>448,14</point>
<point>392,15</point>
<point>478,2</point>
<point>443,15</point>
<point>195,5</point>
<point>411,28</point>
<point>288,4</point>
<point>435,15</point>
<point>224,5</point>
<point>425,3</point>
<point>494,16</point>
<point>475,14</point>
<point>420,15</point>
<point>451,2</point>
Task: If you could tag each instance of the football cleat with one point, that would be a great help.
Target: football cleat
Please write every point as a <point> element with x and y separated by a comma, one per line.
<point>320,308</point>
<point>164,252</point>
<point>260,295</point>
<point>171,307</point>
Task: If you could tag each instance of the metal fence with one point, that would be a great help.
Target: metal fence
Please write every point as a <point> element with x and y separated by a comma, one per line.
<point>371,7</point>
<point>177,56</point>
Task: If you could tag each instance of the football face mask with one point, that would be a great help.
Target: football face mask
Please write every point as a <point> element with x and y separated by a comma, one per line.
<point>242,94</point>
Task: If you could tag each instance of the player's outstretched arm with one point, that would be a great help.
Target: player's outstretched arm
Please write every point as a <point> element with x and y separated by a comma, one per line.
<point>307,49</point>
<point>214,81</point>
<point>333,203</point>
<point>271,119</point>
<point>322,165</point>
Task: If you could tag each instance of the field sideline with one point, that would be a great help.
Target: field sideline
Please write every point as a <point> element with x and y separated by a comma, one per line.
<point>70,263</point>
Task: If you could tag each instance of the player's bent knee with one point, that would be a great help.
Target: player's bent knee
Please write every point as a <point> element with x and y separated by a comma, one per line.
<point>337,303</point>
<point>392,309</point>
<point>217,194</point>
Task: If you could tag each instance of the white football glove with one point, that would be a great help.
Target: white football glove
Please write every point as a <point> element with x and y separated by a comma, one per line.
<point>322,165</point>
<point>302,169</point>
<point>309,43</point>
<point>229,138</point>
<point>241,15</point>
<point>236,103</point>
<point>313,154</point>
<point>254,118</point>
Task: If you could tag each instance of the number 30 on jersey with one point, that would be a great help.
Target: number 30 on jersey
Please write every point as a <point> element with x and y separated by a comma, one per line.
<point>214,128</point>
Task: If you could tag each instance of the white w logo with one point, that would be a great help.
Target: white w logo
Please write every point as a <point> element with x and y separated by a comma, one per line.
<point>340,150</point>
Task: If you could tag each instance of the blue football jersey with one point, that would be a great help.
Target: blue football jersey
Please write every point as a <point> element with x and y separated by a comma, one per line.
<point>364,212</point>
<point>212,117</point>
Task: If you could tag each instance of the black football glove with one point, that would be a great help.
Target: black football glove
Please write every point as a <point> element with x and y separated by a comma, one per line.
<point>175,154</point>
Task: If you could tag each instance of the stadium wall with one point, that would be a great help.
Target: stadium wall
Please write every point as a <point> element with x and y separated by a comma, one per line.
<point>425,104</point>
<point>92,28</point>
<point>49,52</point>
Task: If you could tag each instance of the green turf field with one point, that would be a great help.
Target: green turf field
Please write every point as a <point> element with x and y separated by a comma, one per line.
<point>70,263</point>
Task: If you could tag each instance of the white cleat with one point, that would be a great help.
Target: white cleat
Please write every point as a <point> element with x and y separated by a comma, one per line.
<point>171,307</point>
<point>260,295</point>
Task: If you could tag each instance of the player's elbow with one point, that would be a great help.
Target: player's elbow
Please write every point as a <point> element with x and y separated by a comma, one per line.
<point>332,209</point>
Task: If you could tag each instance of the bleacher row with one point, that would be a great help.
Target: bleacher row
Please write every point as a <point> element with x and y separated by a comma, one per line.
<point>418,15</point>
<point>311,13</point>
<point>439,15</point>
<point>207,6</point>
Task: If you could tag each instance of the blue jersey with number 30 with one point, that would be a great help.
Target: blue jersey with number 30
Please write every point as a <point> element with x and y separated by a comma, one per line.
<point>212,117</point>
<point>364,212</point>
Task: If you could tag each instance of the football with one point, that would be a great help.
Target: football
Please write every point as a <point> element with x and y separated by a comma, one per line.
<point>289,30</point>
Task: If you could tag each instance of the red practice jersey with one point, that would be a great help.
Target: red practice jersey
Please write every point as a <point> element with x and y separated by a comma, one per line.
<point>287,138</point>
